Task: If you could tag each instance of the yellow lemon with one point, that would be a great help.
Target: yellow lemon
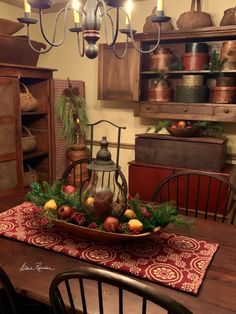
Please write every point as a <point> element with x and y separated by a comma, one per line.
<point>50,205</point>
<point>135,225</point>
<point>90,201</point>
<point>129,213</point>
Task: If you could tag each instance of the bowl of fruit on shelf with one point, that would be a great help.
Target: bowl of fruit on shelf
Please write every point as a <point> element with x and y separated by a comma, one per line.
<point>61,207</point>
<point>184,129</point>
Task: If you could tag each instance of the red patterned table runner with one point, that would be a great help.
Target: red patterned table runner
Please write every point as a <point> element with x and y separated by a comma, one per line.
<point>169,259</point>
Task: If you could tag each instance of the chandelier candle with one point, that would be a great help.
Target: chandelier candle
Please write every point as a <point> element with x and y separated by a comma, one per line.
<point>75,5</point>
<point>27,8</point>
<point>160,5</point>
<point>128,8</point>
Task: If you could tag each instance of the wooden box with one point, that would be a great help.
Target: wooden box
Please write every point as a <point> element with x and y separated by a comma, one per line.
<point>200,153</point>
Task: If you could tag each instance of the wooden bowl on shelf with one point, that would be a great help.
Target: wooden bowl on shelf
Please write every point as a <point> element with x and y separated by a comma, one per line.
<point>184,132</point>
<point>98,235</point>
<point>9,27</point>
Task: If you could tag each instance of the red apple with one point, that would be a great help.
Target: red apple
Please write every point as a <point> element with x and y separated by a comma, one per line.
<point>111,224</point>
<point>65,212</point>
<point>69,189</point>
<point>145,212</point>
<point>174,125</point>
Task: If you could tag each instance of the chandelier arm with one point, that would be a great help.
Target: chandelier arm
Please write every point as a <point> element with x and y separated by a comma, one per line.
<point>81,50</point>
<point>125,50</point>
<point>52,43</point>
<point>117,28</point>
<point>106,14</point>
<point>156,45</point>
<point>112,27</point>
<point>32,47</point>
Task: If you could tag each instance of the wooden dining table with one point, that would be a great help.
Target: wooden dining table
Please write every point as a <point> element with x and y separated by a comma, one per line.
<point>216,295</point>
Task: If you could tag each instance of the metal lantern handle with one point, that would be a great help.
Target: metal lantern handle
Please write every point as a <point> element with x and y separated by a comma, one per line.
<point>92,125</point>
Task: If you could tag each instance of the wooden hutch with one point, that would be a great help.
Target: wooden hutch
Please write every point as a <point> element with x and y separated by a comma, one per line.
<point>127,79</point>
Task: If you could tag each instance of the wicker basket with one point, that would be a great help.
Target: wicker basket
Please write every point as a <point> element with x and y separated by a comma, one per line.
<point>194,19</point>
<point>30,176</point>
<point>229,17</point>
<point>27,100</point>
<point>28,142</point>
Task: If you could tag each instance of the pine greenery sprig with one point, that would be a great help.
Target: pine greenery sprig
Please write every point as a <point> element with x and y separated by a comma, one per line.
<point>160,125</point>
<point>40,194</point>
<point>160,215</point>
<point>216,64</point>
<point>70,106</point>
<point>36,195</point>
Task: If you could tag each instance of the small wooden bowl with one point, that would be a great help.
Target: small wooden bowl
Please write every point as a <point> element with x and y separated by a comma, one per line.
<point>184,132</point>
<point>9,27</point>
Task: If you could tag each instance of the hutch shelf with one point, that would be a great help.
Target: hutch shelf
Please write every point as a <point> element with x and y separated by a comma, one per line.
<point>13,161</point>
<point>127,79</point>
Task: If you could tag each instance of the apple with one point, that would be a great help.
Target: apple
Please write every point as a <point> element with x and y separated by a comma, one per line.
<point>111,224</point>
<point>145,212</point>
<point>65,212</point>
<point>181,124</point>
<point>69,189</point>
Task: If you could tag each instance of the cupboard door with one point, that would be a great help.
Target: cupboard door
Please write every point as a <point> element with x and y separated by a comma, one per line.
<point>143,179</point>
<point>10,157</point>
<point>118,79</point>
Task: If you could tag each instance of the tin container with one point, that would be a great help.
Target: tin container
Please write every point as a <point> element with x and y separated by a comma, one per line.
<point>195,61</point>
<point>193,80</point>
<point>196,48</point>
<point>192,94</point>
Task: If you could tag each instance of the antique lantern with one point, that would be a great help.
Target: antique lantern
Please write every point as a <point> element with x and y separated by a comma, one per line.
<point>105,193</point>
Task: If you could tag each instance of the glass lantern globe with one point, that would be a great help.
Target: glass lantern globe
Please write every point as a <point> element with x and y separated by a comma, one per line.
<point>103,195</point>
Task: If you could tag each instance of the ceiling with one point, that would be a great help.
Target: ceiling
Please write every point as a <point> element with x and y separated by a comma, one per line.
<point>58,4</point>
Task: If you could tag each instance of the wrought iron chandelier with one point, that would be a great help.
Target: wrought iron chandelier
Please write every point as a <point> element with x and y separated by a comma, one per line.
<point>87,23</point>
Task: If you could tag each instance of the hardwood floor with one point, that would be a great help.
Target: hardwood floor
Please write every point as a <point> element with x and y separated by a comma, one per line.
<point>16,198</point>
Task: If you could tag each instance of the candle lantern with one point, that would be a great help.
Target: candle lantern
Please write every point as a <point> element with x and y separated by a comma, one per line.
<point>105,193</point>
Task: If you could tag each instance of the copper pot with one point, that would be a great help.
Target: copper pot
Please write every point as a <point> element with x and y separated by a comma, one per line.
<point>226,81</point>
<point>160,59</point>
<point>162,92</point>
<point>223,94</point>
<point>228,52</point>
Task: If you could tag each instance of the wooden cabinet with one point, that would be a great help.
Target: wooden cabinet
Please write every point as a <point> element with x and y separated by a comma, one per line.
<point>143,178</point>
<point>118,78</point>
<point>176,41</point>
<point>10,160</point>
<point>128,79</point>
<point>13,161</point>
